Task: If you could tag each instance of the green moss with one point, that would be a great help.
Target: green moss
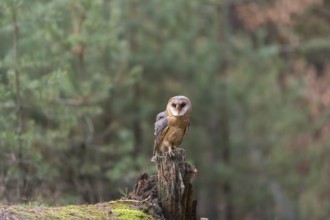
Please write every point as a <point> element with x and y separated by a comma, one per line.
<point>28,214</point>
<point>119,204</point>
<point>128,214</point>
<point>125,210</point>
<point>129,209</point>
<point>78,212</point>
<point>145,209</point>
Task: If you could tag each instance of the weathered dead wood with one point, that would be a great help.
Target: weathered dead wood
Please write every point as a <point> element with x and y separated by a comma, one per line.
<point>174,190</point>
<point>145,190</point>
<point>170,190</point>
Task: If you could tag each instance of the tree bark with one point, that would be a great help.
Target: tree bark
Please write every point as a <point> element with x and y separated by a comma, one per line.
<point>170,191</point>
<point>174,190</point>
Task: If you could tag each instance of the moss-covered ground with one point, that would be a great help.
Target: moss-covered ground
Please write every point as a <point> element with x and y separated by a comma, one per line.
<point>121,209</point>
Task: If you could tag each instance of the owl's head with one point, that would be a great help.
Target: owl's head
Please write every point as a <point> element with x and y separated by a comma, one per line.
<point>178,106</point>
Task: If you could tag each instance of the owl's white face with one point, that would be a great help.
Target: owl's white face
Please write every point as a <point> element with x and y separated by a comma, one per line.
<point>179,105</point>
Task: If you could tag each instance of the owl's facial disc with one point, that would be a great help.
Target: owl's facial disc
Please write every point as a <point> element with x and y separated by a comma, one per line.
<point>179,107</point>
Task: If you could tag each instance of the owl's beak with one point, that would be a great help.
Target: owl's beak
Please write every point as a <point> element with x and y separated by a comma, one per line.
<point>178,110</point>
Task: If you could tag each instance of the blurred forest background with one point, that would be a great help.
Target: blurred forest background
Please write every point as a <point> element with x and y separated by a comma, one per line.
<point>82,81</point>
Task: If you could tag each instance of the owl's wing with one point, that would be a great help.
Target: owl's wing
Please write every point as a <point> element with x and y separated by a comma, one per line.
<point>160,129</point>
<point>160,125</point>
<point>187,128</point>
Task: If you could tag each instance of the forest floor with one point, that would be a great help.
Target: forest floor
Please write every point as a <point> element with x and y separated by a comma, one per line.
<point>120,209</point>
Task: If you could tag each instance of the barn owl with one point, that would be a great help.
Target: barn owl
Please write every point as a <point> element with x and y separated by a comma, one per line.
<point>171,125</point>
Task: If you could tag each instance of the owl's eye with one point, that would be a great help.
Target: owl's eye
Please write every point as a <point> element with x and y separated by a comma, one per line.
<point>173,105</point>
<point>183,105</point>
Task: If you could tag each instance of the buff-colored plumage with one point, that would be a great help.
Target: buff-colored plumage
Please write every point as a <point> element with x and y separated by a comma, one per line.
<point>172,124</point>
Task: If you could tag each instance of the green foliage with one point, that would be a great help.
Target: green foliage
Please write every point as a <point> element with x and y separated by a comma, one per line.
<point>93,74</point>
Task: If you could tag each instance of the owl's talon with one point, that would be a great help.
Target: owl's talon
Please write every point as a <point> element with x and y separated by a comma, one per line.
<point>171,152</point>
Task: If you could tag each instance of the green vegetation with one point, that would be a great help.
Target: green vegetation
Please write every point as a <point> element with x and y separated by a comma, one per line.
<point>81,83</point>
<point>123,210</point>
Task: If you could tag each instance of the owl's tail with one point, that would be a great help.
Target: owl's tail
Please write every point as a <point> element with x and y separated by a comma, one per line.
<point>154,154</point>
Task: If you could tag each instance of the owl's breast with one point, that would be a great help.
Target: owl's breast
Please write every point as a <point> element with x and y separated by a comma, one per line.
<point>174,136</point>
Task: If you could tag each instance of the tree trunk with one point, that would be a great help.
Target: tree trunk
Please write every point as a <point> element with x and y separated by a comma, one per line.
<point>170,191</point>
<point>174,190</point>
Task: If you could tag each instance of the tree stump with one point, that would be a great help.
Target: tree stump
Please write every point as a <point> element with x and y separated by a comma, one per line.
<point>174,190</point>
<point>169,193</point>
